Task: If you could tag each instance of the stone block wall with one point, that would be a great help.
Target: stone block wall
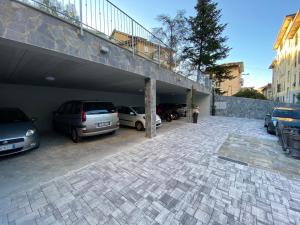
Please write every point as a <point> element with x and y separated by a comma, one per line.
<point>245,107</point>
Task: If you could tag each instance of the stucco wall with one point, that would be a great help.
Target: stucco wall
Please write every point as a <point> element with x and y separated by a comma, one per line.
<point>40,102</point>
<point>233,86</point>
<point>245,107</point>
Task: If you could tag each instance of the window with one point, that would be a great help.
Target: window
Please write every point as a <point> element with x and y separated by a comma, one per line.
<point>146,49</point>
<point>76,108</point>
<point>92,108</point>
<point>124,110</point>
<point>67,108</point>
<point>278,88</point>
<point>12,116</point>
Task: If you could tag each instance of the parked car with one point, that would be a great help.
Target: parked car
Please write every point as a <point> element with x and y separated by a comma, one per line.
<point>279,114</point>
<point>182,109</point>
<point>134,117</point>
<point>288,132</point>
<point>86,118</point>
<point>170,108</point>
<point>165,113</point>
<point>17,132</point>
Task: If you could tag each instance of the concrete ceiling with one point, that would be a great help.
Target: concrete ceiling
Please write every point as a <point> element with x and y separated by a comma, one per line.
<point>28,65</point>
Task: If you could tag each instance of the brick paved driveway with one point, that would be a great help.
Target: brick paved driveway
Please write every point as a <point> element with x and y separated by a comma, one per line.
<point>176,178</point>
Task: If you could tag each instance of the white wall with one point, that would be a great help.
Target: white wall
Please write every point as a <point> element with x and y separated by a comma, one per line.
<point>203,101</point>
<point>40,102</point>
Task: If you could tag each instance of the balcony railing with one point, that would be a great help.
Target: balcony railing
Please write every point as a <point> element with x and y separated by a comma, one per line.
<point>103,18</point>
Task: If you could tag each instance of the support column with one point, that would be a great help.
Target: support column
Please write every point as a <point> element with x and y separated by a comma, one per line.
<point>189,97</point>
<point>150,107</point>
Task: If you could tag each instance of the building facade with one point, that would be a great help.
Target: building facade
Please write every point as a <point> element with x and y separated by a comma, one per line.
<point>267,91</point>
<point>286,66</point>
<point>144,47</point>
<point>233,86</point>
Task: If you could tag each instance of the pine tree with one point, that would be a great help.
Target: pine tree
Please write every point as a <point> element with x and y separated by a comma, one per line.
<point>207,44</point>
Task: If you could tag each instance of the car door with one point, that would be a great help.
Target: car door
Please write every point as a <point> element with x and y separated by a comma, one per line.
<point>125,117</point>
<point>57,117</point>
<point>65,117</point>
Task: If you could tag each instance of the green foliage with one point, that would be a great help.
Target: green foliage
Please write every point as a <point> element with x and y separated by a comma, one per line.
<point>250,93</point>
<point>57,8</point>
<point>206,43</point>
<point>298,97</point>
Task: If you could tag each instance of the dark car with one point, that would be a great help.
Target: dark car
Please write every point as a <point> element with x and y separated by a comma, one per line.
<point>86,118</point>
<point>279,114</point>
<point>17,132</point>
<point>288,132</point>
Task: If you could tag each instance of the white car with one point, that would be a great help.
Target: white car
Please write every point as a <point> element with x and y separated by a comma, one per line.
<point>134,117</point>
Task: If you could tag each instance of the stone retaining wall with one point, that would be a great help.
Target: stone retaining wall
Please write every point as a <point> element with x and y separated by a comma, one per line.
<point>245,107</point>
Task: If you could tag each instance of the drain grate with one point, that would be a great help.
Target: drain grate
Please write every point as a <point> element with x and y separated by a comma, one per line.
<point>233,160</point>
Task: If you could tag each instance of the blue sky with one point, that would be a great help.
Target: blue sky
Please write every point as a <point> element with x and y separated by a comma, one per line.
<point>252,27</point>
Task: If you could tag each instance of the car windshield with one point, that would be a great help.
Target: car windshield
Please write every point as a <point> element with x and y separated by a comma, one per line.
<point>139,110</point>
<point>99,108</point>
<point>12,116</point>
<point>294,114</point>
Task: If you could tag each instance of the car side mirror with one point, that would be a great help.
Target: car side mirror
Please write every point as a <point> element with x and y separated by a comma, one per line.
<point>33,119</point>
<point>132,114</point>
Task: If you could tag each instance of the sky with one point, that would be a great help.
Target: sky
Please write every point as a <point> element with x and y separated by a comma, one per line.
<point>252,28</point>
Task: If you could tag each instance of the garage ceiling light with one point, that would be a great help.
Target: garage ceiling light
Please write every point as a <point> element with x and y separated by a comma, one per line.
<point>50,78</point>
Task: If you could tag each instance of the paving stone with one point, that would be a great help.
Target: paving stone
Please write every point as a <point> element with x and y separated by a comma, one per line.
<point>175,178</point>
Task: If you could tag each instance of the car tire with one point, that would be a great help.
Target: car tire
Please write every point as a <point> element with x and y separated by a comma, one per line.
<point>265,124</point>
<point>268,130</point>
<point>74,135</point>
<point>139,126</point>
<point>169,118</point>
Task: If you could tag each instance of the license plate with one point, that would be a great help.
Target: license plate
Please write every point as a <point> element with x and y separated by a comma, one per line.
<point>103,124</point>
<point>6,147</point>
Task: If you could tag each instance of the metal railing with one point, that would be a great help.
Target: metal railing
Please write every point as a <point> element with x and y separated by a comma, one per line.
<point>103,18</point>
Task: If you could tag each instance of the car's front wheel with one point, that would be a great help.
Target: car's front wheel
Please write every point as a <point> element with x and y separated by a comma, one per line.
<point>74,135</point>
<point>139,126</point>
<point>265,123</point>
<point>269,129</point>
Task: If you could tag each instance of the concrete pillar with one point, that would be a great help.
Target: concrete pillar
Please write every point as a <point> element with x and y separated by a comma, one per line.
<point>150,107</point>
<point>189,97</point>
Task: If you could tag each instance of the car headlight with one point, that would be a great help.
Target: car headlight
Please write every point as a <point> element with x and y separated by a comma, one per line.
<point>30,132</point>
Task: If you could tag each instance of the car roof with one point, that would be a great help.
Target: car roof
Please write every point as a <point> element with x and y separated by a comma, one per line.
<point>286,108</point>
<point>87,101</point>
<point>10,108</point>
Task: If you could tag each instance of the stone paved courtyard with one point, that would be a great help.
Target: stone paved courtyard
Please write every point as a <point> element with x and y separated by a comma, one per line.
<point>176,178</point>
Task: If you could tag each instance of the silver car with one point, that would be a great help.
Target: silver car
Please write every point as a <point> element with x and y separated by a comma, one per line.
<point>17,132</point>
<point>135,117</point>
<point>86,118</point>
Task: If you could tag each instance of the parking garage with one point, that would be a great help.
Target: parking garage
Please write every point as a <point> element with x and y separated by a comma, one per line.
<point>38,73</point>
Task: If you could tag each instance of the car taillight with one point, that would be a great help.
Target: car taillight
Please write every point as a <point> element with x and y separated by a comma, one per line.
<point>83,116</point>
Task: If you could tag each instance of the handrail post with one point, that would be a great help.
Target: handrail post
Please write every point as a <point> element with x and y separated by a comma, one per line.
<point>81,28</point>
<point>132,38</point>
